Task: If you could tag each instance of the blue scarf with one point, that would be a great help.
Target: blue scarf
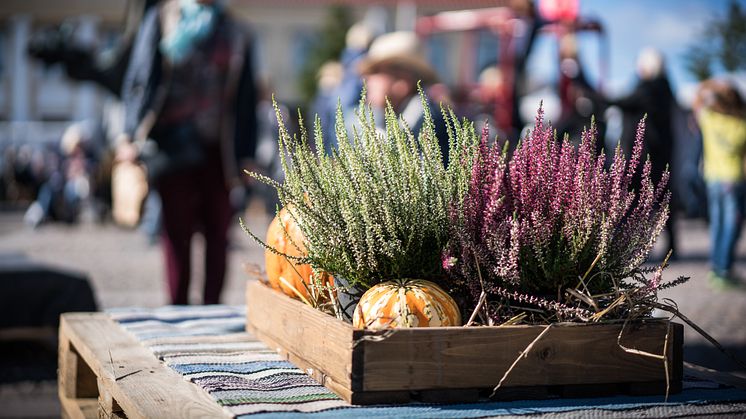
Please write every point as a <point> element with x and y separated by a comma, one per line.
<point>195,25</point>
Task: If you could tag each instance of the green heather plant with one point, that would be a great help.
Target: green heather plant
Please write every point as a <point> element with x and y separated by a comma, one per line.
<point>377,208</point>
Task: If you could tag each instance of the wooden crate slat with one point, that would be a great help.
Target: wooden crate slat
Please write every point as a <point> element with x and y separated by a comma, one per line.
<point>427,358</point>
<point>322,341</point>
<point>133,378</point>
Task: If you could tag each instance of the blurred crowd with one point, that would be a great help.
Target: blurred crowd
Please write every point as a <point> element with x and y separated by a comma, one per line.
<point>194,115</point>
<point>57,180</point>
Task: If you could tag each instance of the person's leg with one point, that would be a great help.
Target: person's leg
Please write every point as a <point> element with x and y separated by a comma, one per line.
<point>40,209</point>
<point>216,217</point>
<point>714,198</point>
<point>732,208</point>
<point>150,223</point>
<point>178,202</point>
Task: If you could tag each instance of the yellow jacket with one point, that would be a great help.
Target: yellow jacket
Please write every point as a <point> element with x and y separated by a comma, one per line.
<point>724,141</point>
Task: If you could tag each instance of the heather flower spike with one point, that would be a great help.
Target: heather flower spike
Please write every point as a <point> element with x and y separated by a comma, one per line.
<point>551,217</point>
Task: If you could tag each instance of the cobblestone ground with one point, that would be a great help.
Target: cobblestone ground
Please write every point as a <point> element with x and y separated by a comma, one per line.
<point>125,270</point>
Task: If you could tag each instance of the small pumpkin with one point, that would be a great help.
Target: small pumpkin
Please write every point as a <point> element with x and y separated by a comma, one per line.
<point>406,303</point>
<point>286,275</point>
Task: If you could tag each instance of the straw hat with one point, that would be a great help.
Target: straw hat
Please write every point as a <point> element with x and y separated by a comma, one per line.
<point>398,50</point>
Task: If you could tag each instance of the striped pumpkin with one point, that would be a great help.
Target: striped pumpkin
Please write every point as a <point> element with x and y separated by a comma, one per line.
<point>406,303</point>
<point>286,275</point>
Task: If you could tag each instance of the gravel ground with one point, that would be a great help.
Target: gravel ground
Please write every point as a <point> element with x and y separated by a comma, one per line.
<point>126,270</point>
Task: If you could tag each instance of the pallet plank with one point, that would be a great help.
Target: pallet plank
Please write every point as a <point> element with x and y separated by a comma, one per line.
<point>131,375</point>
<point>108,407</point>
<point>76,379</point>
<point>78,408</point>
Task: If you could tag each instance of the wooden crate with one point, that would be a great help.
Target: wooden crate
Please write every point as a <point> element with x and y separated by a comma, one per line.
<point>449,364</point>
<point>104,372</point>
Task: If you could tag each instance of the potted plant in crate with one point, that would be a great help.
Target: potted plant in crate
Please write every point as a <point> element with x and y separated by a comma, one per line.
<point>377,209</point>
<point>550,234</point>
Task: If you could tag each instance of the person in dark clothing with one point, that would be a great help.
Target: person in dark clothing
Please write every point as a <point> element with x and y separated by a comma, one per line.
<point>349,84</point>
<point>190,113</point>
<point>652,97</point>
<point>580,101</point>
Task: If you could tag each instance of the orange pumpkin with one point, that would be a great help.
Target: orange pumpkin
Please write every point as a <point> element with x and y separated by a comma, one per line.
<point>407,303</point>
<point>294,276</point>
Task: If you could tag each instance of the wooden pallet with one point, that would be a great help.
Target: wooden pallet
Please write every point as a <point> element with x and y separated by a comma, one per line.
<point>105,372</point>
<point>463,364</point>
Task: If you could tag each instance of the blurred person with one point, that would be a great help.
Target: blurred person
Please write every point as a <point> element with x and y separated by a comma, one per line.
<point>652,96</point>
<point>104,67</point>
<point>325,103</point>
<point>4,178</point>
<point>67,181</point>
<point>28,172</point>
<point>357,42</point>
<point>340,83</point>
<point>190,113</point>
<point>690,184</point>
<point>267,156</point>
<point>8,173</point>
<point>579,100</point>
<point>721,114</point>
<point>488,97</point>
<point>392,68</point>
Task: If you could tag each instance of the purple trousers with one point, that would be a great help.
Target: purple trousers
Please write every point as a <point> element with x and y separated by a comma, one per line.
<point>195,199</point>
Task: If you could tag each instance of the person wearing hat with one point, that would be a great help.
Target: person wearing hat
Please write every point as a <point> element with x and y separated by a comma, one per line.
<point>391,70</point>
<point>721,115</point>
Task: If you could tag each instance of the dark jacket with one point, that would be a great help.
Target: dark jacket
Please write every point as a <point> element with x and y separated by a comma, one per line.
<point>654,98</point>
<point>146,85</point>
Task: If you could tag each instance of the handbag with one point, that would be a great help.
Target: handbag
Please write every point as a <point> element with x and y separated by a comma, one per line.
<point>129,187</point>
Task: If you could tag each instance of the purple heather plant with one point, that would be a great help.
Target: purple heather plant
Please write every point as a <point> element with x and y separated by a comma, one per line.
<point>552,217</point>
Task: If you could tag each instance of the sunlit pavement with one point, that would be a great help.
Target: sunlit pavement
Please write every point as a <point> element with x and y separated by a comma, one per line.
<point>125,269</point>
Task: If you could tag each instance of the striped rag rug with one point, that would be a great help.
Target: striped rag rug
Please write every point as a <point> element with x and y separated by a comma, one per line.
<point>208,346</point>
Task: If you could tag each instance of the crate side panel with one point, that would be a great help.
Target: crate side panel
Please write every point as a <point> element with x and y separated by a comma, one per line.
<point>478,357</point>
<point>291,327</point>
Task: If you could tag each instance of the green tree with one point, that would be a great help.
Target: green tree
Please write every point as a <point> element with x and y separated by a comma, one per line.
<point>698,61</point>
<point>721,46</point>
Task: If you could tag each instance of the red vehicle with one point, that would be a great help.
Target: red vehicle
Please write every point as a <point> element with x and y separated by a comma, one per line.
<point>493,46</point>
